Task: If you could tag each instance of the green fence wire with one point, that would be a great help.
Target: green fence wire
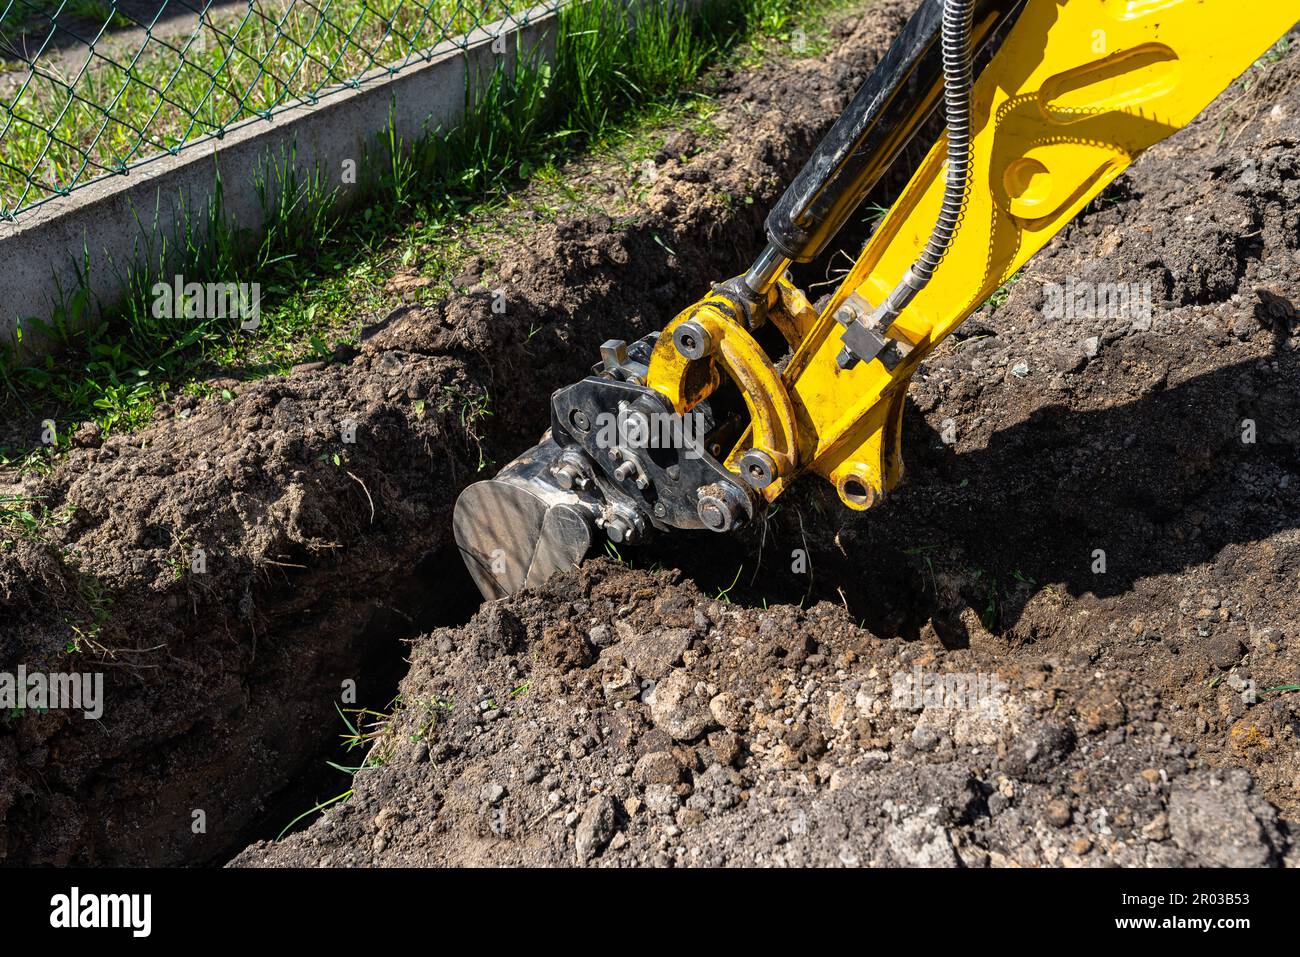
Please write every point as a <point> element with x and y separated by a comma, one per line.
<point>95,88</point>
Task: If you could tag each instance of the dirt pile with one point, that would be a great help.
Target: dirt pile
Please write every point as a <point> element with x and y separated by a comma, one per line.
<point>622,717</point>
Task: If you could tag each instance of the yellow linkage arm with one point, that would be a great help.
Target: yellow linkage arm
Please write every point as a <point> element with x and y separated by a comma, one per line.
<point>1076,92</point>
<point>1078,89</point>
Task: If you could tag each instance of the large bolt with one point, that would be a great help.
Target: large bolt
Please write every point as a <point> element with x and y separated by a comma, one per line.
<point>621,527</point>
<point>566,476</point>
<point>571,471</point>
<point>625,471</point>
<point>721,506</point>
<point>692,340</point>
<point>618,529</point>
<point>613,354</point>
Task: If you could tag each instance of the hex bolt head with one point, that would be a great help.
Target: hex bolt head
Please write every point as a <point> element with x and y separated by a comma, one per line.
<point>692,340</point>
<point>625,471</point>
<point>572,471</point>
<point>621,528</point>
<point>613,354</point>
<point>566,475</point>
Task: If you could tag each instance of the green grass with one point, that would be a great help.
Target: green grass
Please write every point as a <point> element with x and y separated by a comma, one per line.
<point>317,265</point>
<point>23,518</point>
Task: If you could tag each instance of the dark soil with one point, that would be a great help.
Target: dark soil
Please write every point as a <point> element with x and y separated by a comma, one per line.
<point>626,717</point>
<point>695,713</point>
<point>320,554</point>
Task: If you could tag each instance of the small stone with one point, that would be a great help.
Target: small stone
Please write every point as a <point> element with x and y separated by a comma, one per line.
<point>924,737</point>
<point>679,708</point>
<point>1157,829</point>
<point>658,767</point>
<point>620,684</point>
<point>726,747</point>
<point>661,799</point>
<point>1091,346</point>
<point>1059,813</point>
<point>1225,651</point>
<point>595,828</point>
<point>492,793</point>
<point>653,655</point>
<point>1081,846</point>
<point>726,711</point>
<point>840,779</point>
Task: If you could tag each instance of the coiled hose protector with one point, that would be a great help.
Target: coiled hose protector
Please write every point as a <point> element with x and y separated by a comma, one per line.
<point>957,83</point>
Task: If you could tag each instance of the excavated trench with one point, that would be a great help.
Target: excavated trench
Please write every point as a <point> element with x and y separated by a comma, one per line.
<point>1099,530</point>
<point>223,687</point>
<point>321,556</point>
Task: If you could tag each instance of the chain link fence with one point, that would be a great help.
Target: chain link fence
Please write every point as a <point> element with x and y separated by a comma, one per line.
<point>93,88</point>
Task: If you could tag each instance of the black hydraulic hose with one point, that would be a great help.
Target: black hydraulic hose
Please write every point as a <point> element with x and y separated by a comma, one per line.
<point>957,85</point>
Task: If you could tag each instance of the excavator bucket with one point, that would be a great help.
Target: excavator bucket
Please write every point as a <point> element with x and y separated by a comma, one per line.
<point>518,529</point>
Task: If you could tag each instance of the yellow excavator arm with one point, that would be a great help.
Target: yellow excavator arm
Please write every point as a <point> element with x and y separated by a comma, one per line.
<point>1072,92</point>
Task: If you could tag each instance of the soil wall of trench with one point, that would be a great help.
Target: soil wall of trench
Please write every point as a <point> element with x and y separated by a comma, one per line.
<point>221,686</point>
